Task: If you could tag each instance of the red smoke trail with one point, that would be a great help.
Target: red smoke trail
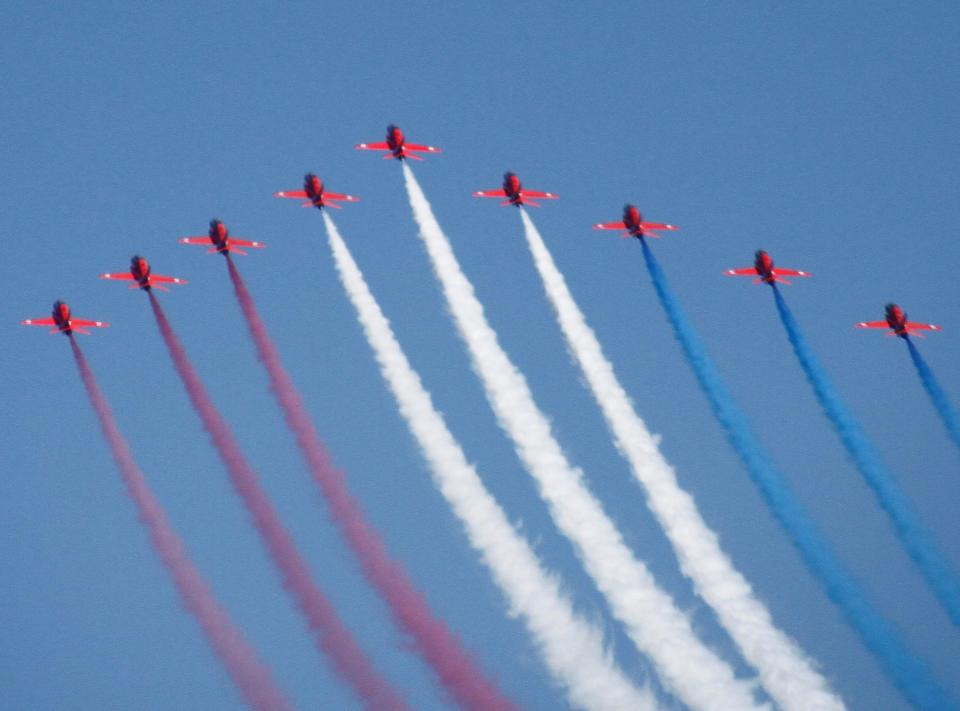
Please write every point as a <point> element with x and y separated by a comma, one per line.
<point>330,634</point>
<point>253,679</point>
<point>434,641</point>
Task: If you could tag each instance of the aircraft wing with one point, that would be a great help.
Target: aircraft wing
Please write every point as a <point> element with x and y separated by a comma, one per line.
<point>538,194</point>
<point>873,324</point>
<point>382,146</point>
<point>657,226</point>
<point>777,271</point>
<point>490,193</point>
<point>339,196</point>
<point>610,226</point>
<point>912,326</point>
<point>746,271</point>
<point>196,240</point>
<point>245,243</point>
<point>159,278</point>
<point>300,194</point>
<point>121,276</point>
<point>38,322</point>
<point>423,149</point>
<point>85,323</point>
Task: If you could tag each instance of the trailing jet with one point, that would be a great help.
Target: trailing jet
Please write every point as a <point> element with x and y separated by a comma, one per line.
<point>398,146</point>
<point>315,195</point>
<point>515,193</point>
<point>219,236</point>
<point>62,321</point>
<point>634,225</point>
<point>765,272</point>
<point>140,274</point>
<point>896,320</point>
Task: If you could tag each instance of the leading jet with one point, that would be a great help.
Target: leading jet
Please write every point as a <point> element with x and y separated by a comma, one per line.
<point>397,144</point>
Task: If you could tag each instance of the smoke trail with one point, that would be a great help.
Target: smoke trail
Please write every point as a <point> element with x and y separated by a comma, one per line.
<point>785,671</point>
<point>330,635</point>
<point>937,394</point>
<point>433,640</point>
<point>906,672</point>
<point>915,537</point>
<point>572,648</point>
<point>248,673</point>
<point>699,677</point>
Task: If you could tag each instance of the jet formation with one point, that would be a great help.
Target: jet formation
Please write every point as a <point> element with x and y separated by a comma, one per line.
<point>315,194</point>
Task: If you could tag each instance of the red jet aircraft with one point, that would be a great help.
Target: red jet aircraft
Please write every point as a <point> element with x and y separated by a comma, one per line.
<point>634,225</point>
<point>398,146</point>
<point>140,274</point>
<point>765,272</point>
<point>515,193</point>
<point>315,195</point>
<point>219,236</point>
<point>63,323</point>
<point>896,320</point>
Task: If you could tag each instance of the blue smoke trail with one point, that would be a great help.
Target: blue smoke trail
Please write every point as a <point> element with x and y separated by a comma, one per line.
<point>915,537</point>
<point>937,394</point>
<point>905,671</point>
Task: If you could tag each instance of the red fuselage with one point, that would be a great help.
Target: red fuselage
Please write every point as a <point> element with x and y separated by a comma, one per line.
<point>764,266</point>
<point>896,319</point>
<point>61,316</point>
<point>218,233</point>
<point>512,187</point>
<point>395,140</point>
<point>313,186</point>
<point>140,270</point>
<point>632,219</point>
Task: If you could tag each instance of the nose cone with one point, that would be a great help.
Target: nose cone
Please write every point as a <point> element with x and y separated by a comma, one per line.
<point>631,214</point>
<point>61,310</point>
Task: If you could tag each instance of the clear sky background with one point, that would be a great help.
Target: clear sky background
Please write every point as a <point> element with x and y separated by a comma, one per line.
<point>825,134</point>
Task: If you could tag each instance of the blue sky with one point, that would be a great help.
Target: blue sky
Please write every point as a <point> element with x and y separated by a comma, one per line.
<point>823,134</point>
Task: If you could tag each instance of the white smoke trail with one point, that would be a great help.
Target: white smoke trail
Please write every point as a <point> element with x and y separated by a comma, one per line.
<point>695,673</point>
<point>785,671</point>
<point>571,647</point>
